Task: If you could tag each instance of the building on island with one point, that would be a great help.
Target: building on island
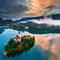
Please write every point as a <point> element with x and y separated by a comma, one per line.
<point>27,36</point>
<point>17,38</point>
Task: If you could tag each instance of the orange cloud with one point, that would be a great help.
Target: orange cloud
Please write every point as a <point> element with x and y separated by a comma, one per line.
<point>35,6</point>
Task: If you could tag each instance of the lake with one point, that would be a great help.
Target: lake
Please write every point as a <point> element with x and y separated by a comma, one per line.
<point>47,46</point>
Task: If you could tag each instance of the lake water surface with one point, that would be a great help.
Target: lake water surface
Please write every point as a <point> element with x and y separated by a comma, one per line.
<point>47,46</point>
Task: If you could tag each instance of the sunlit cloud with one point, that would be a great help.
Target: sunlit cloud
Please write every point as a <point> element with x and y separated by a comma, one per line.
<point>35,6</point>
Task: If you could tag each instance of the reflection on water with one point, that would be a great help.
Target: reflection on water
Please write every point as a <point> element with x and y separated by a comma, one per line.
<point>51,43</point>
<point>47,46</point>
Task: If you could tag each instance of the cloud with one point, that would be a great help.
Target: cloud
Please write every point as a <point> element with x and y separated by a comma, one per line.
<point>23,8</point>
<point>11,9</point>
<point>35,6</point>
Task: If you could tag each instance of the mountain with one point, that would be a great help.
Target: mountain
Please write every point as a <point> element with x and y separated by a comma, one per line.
<point>6,21</point>
<point>30,19</point>
<point>56,17</point>
<point>34,27</point>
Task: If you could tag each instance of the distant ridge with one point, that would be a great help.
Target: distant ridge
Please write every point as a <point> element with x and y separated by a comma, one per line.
<point>6,21</point>
<point>54,17</point>
<point>9,21</point>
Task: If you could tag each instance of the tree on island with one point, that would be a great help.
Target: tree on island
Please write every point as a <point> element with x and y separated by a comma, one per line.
<point>15,47</point>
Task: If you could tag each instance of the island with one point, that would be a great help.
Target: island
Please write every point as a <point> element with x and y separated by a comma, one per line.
<point>18,45</point>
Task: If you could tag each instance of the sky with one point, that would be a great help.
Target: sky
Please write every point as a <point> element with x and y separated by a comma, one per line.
<point>16,9</point>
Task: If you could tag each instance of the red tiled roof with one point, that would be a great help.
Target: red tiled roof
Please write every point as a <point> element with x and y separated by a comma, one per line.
<point>27,36</point>
<point>17,37</point>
